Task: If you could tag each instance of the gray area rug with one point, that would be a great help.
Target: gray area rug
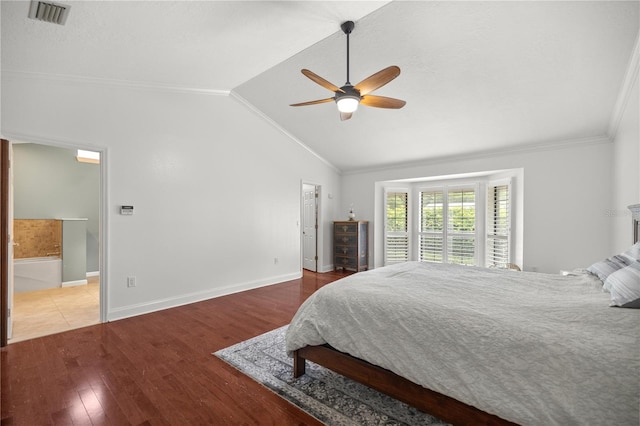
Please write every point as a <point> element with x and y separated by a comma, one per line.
<point>329,397</point>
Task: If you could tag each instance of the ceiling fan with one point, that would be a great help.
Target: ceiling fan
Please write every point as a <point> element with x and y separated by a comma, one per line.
<point>348,97</point>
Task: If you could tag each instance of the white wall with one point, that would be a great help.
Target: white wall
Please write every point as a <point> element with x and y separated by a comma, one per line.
<point>626,170</point>
<point>216,189</point>
<point>566,194</point>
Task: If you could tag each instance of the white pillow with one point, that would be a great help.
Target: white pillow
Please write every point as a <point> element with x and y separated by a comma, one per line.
<point>624,286</point>
<point>606,267</point>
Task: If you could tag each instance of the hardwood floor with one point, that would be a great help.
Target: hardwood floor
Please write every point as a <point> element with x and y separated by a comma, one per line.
<point>155,369</point>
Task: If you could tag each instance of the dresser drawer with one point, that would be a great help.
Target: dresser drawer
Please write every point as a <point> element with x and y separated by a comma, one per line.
<point>346,240</point>
<point>346,250</point>
<point>346,262</point>
<point>346,228</point>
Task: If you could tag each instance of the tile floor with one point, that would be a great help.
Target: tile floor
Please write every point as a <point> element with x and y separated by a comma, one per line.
<point>43,312</point>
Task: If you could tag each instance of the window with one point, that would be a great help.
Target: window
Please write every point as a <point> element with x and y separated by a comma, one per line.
<point>396,227</point>
<point>468,219</point>
<point>461,226</point>
<point>498,225</point>
<point>84,156</point>
<point>447,230</point>
<point>431,232</point>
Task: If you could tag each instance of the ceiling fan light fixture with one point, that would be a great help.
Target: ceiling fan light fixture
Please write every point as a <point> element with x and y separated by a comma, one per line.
<point>348,103</point>
<point>348,97</point>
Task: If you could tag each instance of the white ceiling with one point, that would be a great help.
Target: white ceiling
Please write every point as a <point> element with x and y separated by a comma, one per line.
<point>477,76</point>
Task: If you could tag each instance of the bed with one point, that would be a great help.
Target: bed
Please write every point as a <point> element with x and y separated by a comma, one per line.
<point>476,345</point>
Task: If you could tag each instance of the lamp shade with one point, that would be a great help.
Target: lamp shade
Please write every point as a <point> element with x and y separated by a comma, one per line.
<point>348,103</point>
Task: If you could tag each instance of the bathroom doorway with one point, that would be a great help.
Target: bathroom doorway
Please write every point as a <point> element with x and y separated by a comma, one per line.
<point>310,200</point>
<point>56,241</point>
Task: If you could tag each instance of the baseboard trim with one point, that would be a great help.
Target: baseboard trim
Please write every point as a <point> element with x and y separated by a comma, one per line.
<point>93,274</point>
<point>185,299</point>
<point>327,268</point>
<point>74,283</point>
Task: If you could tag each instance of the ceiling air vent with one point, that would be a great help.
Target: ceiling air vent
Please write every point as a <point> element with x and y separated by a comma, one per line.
<point>49,12</point>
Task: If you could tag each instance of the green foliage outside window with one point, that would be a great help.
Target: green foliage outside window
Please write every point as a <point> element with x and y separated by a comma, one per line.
<point>462,211</point>
<point>432,214</point>
<point>462,219</point>
<point>397,212</point>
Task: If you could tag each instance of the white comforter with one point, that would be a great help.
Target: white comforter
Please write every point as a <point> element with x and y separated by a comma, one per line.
<point>535,349</point>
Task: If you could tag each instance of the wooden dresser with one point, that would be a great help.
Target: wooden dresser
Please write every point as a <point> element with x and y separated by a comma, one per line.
<point>351,245</point>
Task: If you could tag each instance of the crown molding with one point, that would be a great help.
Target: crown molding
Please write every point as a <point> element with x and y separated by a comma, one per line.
<point>281,129</point>
<point>8,74</point>
<point>112,83</point>
<point>630,78</point>
<point>525,148</point>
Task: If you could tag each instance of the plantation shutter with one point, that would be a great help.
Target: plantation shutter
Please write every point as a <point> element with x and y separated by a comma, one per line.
<point>461,226</point>
<point>498,225</point>
<point>396,227</point>
<point>431,230</point>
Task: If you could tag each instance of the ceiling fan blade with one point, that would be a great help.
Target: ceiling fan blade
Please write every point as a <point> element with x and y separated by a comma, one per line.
<point>382,102</point>
<point>319,101</point>
<point>321,81</point>
<point>345,115</point>
<point>377,80</point>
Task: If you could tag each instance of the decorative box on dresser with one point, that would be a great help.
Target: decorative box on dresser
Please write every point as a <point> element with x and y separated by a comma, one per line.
<point>351,245</point>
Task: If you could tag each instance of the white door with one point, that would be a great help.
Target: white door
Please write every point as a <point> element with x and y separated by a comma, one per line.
<point>310,227</point>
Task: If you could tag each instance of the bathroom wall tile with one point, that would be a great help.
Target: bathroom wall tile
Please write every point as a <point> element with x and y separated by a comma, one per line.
<point>37,237</point>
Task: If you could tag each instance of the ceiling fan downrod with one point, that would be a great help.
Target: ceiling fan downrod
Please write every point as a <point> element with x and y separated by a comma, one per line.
<point>347,27</point>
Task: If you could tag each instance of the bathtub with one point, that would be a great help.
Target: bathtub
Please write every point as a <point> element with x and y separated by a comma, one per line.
<point>37,273</point>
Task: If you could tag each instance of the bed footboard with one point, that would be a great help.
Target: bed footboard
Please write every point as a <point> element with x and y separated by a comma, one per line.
<point>385,381</point>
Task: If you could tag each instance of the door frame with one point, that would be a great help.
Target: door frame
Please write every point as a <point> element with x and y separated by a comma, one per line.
<point>318,244</point>
<point>4,237</point>
<point>102,228</point>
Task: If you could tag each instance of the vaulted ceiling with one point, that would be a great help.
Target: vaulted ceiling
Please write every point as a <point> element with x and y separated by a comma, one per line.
<point>477,76</point>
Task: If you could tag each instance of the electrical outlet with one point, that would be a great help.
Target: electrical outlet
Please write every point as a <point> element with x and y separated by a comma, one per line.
<point>131,281</point>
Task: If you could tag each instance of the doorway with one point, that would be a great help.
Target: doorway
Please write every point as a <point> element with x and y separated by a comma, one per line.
<point>310,198</point>
<point>6,245</point>
<point>69,193</point>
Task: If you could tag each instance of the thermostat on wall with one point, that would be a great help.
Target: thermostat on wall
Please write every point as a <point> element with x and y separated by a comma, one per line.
<point>126,210</point>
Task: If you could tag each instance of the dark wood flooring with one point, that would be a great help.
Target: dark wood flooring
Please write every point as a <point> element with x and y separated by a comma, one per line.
<point>155,369</point>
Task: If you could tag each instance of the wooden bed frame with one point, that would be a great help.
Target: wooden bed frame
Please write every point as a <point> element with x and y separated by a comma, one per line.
<point>439,405</point>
